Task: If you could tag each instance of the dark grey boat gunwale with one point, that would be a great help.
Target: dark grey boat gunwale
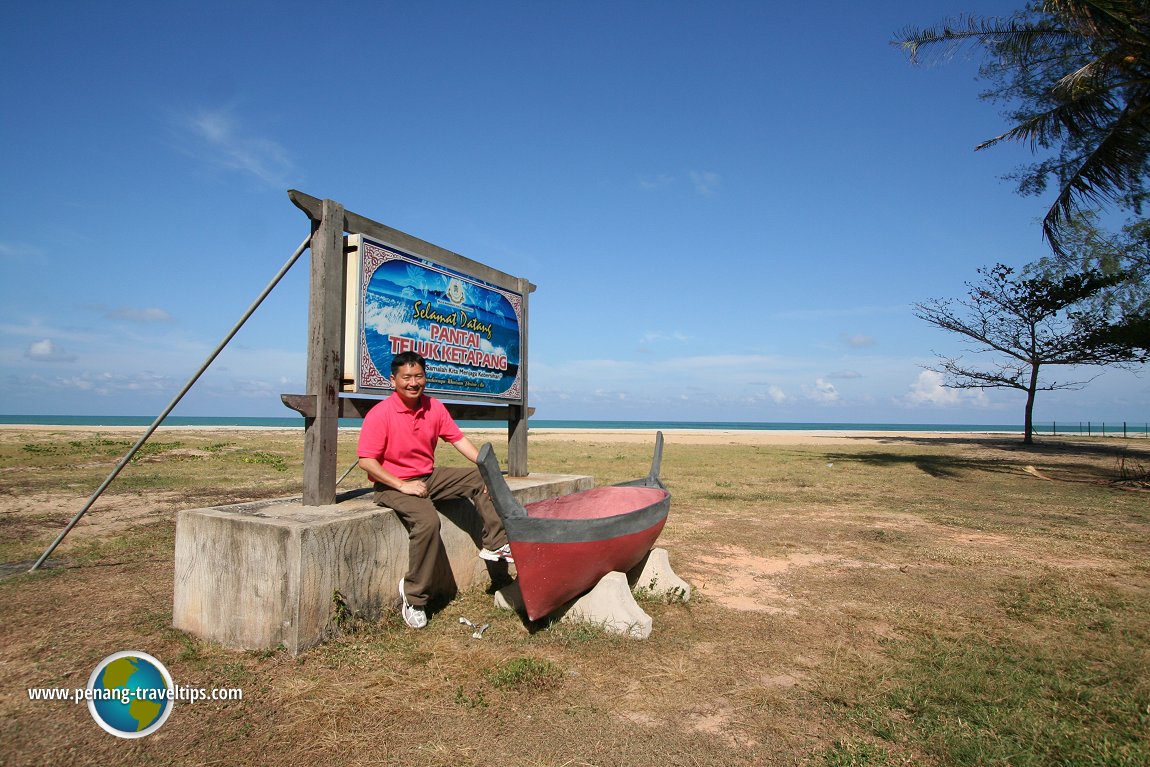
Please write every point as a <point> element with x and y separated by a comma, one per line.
<point>522,527</point>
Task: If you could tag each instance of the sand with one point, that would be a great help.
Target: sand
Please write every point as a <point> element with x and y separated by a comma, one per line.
<point>678,436</point>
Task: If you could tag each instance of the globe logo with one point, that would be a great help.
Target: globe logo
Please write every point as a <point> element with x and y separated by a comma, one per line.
<point>130,694</point>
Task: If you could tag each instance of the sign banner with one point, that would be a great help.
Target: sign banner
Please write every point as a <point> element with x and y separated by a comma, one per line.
<point>468,330</point>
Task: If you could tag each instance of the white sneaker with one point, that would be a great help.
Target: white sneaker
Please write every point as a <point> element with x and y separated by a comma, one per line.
<point>412,616</point>
<point>501,554</point>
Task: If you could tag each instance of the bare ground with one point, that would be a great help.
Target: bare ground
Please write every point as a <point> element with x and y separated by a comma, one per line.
<point>809,558</point>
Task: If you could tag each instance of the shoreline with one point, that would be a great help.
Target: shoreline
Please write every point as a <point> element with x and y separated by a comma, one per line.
<point>627,436</point>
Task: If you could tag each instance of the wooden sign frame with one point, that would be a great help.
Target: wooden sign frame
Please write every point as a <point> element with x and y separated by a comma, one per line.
<point>324,403</point>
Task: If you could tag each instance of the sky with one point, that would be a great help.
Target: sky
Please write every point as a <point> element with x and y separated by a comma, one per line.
<point>728,208</point>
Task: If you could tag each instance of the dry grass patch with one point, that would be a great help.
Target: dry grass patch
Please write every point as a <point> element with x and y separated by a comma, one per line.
<point>919,601</point>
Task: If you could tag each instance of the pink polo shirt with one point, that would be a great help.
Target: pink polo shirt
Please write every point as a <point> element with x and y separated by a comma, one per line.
<point>404,440</point>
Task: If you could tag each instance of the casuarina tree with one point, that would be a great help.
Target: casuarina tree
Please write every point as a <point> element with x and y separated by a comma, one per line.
<point>1023,325</point>
<point>1127,303</point>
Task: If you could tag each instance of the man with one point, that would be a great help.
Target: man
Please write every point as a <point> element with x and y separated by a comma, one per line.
<point>397,450</point>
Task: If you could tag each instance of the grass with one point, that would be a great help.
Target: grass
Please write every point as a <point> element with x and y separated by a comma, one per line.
<point>524,675</point>
<point>922,601</point>
<point>171,464</point>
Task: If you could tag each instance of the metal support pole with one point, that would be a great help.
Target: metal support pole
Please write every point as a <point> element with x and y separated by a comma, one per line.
<point>172,405</point>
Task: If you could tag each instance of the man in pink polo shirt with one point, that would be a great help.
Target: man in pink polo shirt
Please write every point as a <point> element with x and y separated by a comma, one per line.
<point>397,450</point>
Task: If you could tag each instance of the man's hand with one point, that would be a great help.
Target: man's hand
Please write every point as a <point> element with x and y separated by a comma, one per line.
<point>376,473</point>
<point>414,487</point>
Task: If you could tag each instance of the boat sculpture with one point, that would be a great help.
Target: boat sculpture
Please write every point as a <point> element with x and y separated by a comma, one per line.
<point>563,546</point>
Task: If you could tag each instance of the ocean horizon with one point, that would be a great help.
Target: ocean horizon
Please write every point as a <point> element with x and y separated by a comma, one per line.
<point>286,422</point>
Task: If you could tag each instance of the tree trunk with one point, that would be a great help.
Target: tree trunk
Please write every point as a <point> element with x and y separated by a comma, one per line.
<point>1028,423</point>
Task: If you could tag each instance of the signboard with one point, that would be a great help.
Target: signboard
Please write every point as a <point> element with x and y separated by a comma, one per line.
<point>468,330</point>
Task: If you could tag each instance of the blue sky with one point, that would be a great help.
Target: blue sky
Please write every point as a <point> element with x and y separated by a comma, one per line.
<point>728,208</point>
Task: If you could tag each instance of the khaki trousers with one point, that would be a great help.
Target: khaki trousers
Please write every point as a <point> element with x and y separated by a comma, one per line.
<point>425,553</point>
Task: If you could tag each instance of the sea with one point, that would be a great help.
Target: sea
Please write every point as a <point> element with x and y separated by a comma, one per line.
<point>1059,427</point>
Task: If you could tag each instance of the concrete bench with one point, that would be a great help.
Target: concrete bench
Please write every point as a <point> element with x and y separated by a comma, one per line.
<point>264,575</point>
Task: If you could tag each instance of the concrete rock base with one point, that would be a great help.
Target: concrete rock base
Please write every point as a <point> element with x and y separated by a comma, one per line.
<point>654,577</point>
<point>275,573</point>
<point>611,604</point>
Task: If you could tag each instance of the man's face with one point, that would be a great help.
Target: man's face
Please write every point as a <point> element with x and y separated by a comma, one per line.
<point>409,381</point>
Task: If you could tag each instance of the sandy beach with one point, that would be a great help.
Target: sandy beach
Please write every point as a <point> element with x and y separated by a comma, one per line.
<point>626,436</point>
<point>743,436</point>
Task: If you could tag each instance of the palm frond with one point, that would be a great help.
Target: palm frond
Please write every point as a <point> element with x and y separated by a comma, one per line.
<point>1103,174</point>
<point>952,35</point>
<point>1077,75</point>
<point>1102,18</point>
<point>1088,115</point>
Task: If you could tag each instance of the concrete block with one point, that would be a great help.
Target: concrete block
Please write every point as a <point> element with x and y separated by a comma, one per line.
<point>262,575</point>
<point>655,577</point>
<point>610,605</point>
<point>511,598</point>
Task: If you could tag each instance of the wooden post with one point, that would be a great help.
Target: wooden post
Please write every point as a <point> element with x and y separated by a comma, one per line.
<point>322,406</point>
<point>517,415</point>
<point>325,344</point>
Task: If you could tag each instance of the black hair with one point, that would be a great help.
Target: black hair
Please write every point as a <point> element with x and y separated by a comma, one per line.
<point>407,358</point>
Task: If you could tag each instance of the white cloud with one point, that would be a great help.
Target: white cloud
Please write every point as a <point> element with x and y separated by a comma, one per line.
<point>774,393</point>
<point>111,384</point>
<point>735,369</point>
<point>20,251</point>
<point>928,389</point>
<point>655,336</point>
<point>858,340</point>
<point>658,181</point>
<point>144,315</point>
<point>744,387</point>
<point>839,311</point>
<point>823,391</point>
<point>706,182</point>
<point>36,328</point>
<point>107,363</point>
<point>45,350</point>
<point>222,140</point>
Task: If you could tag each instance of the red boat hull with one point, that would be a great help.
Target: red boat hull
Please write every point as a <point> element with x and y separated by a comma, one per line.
<point>563,546</point>
<point>551,574</point>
